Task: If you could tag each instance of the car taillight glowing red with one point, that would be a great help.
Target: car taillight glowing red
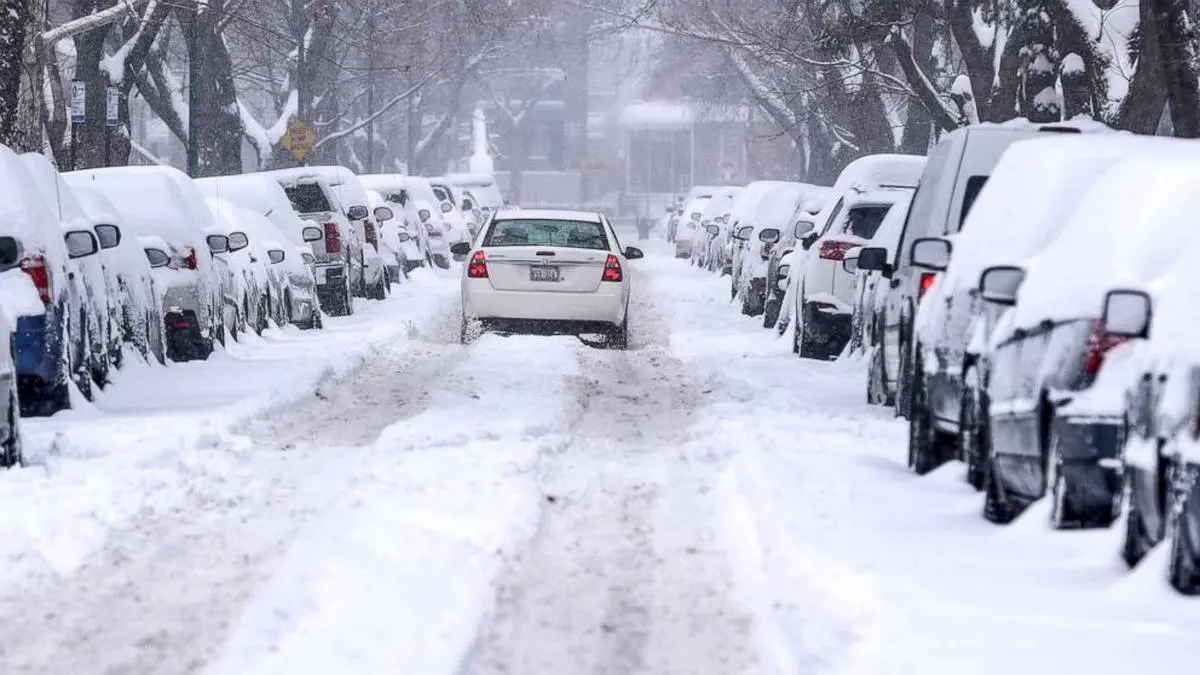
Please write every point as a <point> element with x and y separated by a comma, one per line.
<point>835,250</point>
<point>1098,345</point>
<point>190,261</point>
<point>612,269</point>
<point>477,268</point>
<point>370,228</point>
<point>333,238</point>
<point>35,267</point>
<point>927,279</point>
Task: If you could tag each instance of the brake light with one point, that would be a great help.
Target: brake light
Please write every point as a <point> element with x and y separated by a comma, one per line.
<point>612,269</point>
<point>39,274</point>
<point>477,268</point>
<point>1098,345</point>
<point>835,250</point>
<point>370,228</point>
<point>927,279</point>
<point>190,261</point>
<point>333,238</point>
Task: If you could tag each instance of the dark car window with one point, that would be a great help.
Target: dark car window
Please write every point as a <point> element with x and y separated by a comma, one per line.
<point>307,198</point>
<point>546,232</point>
<point>863,221</point>
<point>970,192</point>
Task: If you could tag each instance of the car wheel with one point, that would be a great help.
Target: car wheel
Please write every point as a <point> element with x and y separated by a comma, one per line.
<point>82,372</point>
<point>1060,509</point>
<point>972,429</point>
<point>877,378</point>
<point>619,338</point>
<point>1138,539</point>
<point>1184,567</point>
<point>810,347</point>
<point>904,383</point>
<point>10,447</point>
<point>995,506</point>
<point>927,447</point>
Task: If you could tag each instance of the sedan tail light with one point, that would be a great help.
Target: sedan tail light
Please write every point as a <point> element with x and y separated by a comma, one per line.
<point>1099,344</point>
<point>612,269</point>
<point>333,238</point>
<point>835,250</point>
<point>477,268</point>
<point>39,274</point>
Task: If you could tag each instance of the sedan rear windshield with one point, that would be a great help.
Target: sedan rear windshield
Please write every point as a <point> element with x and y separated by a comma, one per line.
<point>544,232</point>
<point>863,221</point>
<point>307,198</point>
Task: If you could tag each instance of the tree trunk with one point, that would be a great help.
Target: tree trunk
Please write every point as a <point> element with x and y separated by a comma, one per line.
<point>918,124</point>
<point>1176,44</point>
<point>1143,104</point>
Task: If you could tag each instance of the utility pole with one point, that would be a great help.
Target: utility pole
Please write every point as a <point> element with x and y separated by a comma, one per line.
<point>193,122</point>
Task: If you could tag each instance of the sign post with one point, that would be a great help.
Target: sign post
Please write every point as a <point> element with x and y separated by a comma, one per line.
<point>78,113</point>
<point>112,118</point>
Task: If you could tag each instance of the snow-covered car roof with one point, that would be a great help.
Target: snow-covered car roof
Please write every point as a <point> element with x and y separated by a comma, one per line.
<point>1050,175</point>
<point>777,205</point>
<point>383,182</point>
<point>747,200</point>
<point>882,169</point>
<point>1128,228</point>
<point>721,202</point>
<point>547,214</point>
<point>60,199</point>
<point>261,193</point>
<point>149,197</point>
<point>24,214</point>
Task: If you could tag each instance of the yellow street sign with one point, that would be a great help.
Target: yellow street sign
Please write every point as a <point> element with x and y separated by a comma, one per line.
<point>299,139</point>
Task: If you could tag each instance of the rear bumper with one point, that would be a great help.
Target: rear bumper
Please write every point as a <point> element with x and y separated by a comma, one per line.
<point>482,301</point>
<point>546,327</point>
<point>330,277</point>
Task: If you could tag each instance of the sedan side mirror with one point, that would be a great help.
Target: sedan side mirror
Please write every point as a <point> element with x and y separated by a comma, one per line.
<point>1127,313</point>
<point>238,241</point>
<point>633,253</point>
<point>807,242</point>
<point>460,248</point>
<point>277,256</point>
<point>357,212</point>
<point>312,234</point>
<point>81,244</point>
<point>446,207</point>
<point>403,237</point>
<point>803,227</point>
<point>713,229</point>
<point>383,213</point>
<point>110,236</point>
<point>217,243</point>
<point>743,233</point>
<point>931,253</point>
<point>768,235</point>
<point>1000,284</point>
<point>157,258</point>
<point>873,259</point>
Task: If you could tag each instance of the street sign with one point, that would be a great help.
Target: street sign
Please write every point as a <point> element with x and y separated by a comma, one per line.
<point>78,102</point>
<point>299,139</point>
<point>112,111</point>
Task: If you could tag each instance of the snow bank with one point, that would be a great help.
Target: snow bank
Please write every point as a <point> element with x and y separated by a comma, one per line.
<point>155,433</point>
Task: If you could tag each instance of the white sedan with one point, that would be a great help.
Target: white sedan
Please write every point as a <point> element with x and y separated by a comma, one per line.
<point>557,272</point>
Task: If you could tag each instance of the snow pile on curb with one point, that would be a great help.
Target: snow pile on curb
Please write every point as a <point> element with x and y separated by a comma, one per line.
<point>133,451</point>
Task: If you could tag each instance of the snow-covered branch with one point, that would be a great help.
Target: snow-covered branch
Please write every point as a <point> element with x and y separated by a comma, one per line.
<point>104,17</point>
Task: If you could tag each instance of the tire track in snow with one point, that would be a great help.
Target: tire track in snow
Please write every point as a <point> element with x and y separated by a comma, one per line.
<point>625,575</point>
<point>163,594</point>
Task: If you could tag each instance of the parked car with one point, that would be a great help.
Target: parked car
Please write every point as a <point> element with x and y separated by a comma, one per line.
<point>430,219</point>
<point>483,189</point>
<point>696,192</point>
<point>758,233</point>
<point>953,175</point>
<point>1158,372</point>
<point>430,232</point>
<point>1034,188</point>
<point>352,198</point>
<point>689,224</point>
<point>1051,432</point>
<point>154,203</point>
<point>449,202</point>
<point>140,322</point>
<point>704,251</point>
<point>291,293</point>
<point>100,310</point>
<point>395,253</point>
<point>338,251</point>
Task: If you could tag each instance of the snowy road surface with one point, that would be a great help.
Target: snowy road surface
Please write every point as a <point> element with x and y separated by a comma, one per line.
<point>379,499</point>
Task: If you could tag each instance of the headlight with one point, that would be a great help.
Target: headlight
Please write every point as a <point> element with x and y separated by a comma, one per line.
<point>782,277</point>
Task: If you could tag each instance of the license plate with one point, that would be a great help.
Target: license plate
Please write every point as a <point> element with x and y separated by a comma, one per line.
<point>543,273</point>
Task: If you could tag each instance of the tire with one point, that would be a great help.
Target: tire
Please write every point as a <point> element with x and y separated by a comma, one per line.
<point>441,262</point>
<point>877,379</point>
<point>927,447</point>
<point>904,383</point>
<point>808,347</point>
<point>771,309</point>
<point>973,431</point>
<point>795,333</point>
<point>996,508</point>
<point>10,447</point>
<point>619,338</point>
<point>1137,540</point>
<point>83,375</point>
<point>1184,567</point>
<point>1061,513</point>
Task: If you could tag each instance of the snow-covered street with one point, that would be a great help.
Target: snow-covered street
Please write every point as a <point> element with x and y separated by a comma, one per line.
<point>376,498</point>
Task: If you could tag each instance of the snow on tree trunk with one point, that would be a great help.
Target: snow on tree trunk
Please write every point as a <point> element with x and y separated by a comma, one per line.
<point>1041,65</point>
<point>1176,41</point>
<point>14,22</point>
<point>218,118</point>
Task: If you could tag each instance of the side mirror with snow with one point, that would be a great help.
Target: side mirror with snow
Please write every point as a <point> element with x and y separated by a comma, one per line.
<point>109,235</point>
<point>277,256</point>
<point>743,233</point>
<point>312,234</point>
<point>238,241</point>
<point>383,213</point>
<point>81,244</point>
<point>217,243</point>
<point>1000,284</point>
<point>157,258</point>
<point>873,259</point>
<point>1127,313</point>
<point>357,212</point>
<point>931,253</point>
